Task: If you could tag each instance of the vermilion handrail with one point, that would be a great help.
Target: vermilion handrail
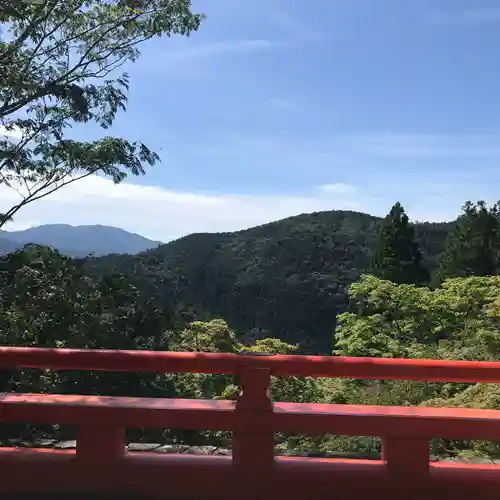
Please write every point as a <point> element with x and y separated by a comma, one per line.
<point>279,365</point>
<point>101,465</point>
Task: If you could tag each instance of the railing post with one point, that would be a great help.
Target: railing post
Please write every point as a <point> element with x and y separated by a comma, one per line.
<point>100,443</point>
<point>253,437</point>
<point>406,458</point>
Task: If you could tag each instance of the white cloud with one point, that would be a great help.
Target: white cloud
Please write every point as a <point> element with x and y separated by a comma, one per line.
<point>159,213</point>
<point>338,188</point>
<point>164,214</point>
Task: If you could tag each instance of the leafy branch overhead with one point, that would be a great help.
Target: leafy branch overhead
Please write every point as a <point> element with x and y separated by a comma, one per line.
<point>60,64</point>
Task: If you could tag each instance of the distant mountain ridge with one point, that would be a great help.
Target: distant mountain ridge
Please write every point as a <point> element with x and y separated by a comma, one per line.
<point>78,241</point>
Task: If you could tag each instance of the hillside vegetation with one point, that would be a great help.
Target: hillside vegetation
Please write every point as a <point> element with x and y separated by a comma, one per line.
<point>287,279</point>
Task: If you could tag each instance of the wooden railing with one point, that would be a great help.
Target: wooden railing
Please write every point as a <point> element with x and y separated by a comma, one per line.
<point>101,465</point>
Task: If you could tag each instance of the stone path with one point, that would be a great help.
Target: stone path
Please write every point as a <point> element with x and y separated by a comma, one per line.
<point>213,450</point>
<point>171,448</point>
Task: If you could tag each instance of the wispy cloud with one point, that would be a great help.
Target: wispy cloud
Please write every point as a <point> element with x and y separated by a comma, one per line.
<point>470,17</point>
<point>349,149</point>
<point>339,188</point>
<point>217,49</point>
<point>284,104</point>
<point>186,58</point>
<point>419,146</point>
<point>427,172</point>
<point>295,28</point>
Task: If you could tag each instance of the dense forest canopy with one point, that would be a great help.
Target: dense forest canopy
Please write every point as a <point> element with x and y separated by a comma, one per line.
<point>287,279</point>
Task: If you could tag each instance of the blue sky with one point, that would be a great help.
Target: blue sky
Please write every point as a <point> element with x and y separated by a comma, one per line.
<point>278,107</point>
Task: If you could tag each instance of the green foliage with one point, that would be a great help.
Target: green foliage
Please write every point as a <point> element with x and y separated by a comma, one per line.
<point>397,257</point>
<point>288,279</point>
<point>473,248</point>
<point>458,320</point>
<point>293,389</point>
<point>59,62</point>
<point>47,300</point>
<point>211,336</point>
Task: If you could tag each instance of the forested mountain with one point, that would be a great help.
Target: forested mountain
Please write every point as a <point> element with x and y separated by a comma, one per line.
<point>77,241</point>
<point>287,279</point>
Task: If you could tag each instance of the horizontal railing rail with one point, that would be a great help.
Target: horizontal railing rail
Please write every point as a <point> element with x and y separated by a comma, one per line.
<point>308,418</point>
<point>278,365</point>
<point>101,463</point>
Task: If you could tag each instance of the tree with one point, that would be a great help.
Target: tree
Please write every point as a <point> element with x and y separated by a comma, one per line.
<point>473,248</point>
<point>208,336</point>
<point>459,320</point>
<point>59,62</point>
<point>397,257</point>
<point>295,389</point>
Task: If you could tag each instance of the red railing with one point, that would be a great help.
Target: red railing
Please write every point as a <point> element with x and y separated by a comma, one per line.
<point>101,465</point>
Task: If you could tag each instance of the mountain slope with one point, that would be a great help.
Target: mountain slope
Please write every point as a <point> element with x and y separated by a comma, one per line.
<point>7,245</point>
<point>286,279</point>
<point>78,241</point>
